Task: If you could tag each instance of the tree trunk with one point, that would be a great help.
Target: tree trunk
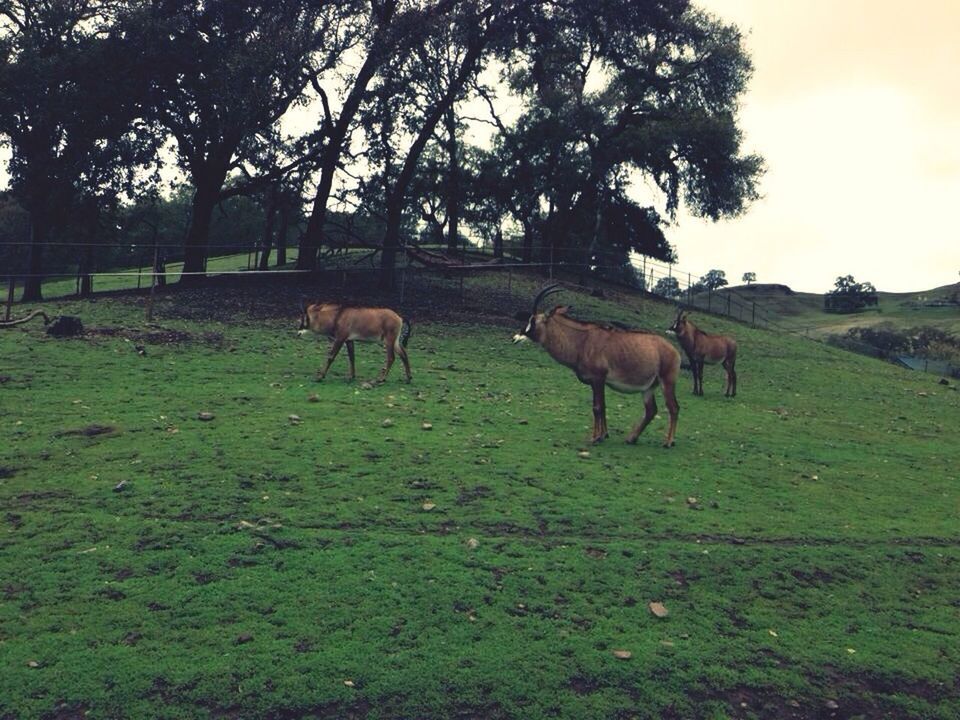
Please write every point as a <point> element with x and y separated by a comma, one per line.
<point>195,247</point>
<point>282,234</point>
<point>86,267</point>
<point>391,240</point>
<point>527,254</point>
<point>453,182</point>
<point>267,242</point>
<point>397,196</point>
<point>32,288</point>
<point>312,238</point>
<point>498,243</point>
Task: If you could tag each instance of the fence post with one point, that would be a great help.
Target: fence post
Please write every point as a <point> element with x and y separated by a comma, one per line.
<point>403,283</point>
<point>510,284</point>
<point>709,299</point>
<point>148,311</point>
<point>13,284</point>
<point>753,314</point>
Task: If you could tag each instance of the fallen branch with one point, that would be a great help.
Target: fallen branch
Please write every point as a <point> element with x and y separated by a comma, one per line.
<point>31,316</point>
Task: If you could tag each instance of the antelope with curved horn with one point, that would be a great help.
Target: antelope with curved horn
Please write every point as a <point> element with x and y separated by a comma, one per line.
<point>702,347</point>
<point>344,324</point>
<point>628,361</point>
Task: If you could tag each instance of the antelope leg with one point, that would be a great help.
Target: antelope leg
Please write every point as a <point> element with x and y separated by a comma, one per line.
<point>331,356</point>
<point>389,363</point>
<point>353,369</point>
<point>650,411</point>
<point>599,412</point>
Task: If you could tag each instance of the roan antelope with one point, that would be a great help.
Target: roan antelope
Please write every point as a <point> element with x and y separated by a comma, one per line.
<point>628,361</point>
<point>344,324</point>
<point>702,347</point>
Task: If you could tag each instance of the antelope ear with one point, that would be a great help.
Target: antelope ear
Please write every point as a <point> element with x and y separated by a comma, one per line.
<point>562,309</point>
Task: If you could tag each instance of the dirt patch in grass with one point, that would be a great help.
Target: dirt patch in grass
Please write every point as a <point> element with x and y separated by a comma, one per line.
<point>89,431</point>
<point>844,697</point>
<point>158,335</point>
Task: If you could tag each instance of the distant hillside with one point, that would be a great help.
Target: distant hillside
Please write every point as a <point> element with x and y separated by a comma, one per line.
<point>804,311</point>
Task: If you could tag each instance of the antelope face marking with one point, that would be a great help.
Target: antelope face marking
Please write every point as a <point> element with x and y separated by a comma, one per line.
<point>528,332</point>
<point>678,324</point>
<point>304,325</point>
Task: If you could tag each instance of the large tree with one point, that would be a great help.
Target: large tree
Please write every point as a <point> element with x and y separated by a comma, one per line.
<point>224,72</point>
<point>66,109</point>
<point>625,88</point>
<point>451,49</point>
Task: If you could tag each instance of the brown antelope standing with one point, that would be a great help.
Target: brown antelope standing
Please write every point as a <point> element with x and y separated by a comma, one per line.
<point>344,324</point>
<point>702,347</point>
<point>628,361</point>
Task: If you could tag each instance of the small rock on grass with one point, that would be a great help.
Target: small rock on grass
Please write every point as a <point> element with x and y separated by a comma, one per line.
<point>205,416</point>
<point>428,506</point>
<point>622,654</point>
<point>659,609</point>
<point>473,543</point>
<point>583,454</point>
<point>387,423</point>
<point>427,426</point>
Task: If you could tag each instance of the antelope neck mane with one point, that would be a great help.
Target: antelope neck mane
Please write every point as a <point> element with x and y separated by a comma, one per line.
<point>585,325</point>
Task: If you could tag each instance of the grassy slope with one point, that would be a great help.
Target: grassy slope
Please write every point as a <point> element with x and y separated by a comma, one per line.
<point>804,311</point>
<point>251,566</point>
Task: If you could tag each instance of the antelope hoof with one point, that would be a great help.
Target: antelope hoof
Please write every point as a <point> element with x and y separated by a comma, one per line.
<point>599,439</point>
<point>667,445</point>
<point>320,377</point>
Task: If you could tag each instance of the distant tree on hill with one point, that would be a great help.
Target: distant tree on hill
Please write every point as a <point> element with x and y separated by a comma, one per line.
<point>749,277</point>
<point>714,279</point>
<point>849,295</point>
<point>667,286</point>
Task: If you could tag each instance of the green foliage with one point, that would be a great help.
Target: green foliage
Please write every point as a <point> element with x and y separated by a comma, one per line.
<point>714,280</point>
<point>749,277</point>
<point>888,340</point>
<point>668,287</point>
<point>252,564</point>
<point>849,295</point>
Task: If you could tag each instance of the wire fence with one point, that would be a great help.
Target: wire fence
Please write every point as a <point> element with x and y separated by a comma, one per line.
<point>454,283</point>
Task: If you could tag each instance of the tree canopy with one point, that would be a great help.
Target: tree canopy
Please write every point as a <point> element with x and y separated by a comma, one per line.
<point>627,111</point>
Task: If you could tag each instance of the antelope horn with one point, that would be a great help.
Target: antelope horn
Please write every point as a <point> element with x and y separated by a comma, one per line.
<point>548,290</point>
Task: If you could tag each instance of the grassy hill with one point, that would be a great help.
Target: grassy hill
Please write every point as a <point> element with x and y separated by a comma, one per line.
<point>314,551</point>
<point>803,312</point>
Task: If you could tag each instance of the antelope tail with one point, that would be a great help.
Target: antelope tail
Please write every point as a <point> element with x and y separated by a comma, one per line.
<point>404,333</point>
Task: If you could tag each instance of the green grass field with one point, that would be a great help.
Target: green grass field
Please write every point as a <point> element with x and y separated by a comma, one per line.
<point>299,556</point>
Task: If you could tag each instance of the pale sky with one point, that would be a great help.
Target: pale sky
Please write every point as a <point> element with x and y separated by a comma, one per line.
<point>855,106</point>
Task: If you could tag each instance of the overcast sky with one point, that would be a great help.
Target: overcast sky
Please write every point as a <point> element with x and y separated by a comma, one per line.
<point>855,106</point>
